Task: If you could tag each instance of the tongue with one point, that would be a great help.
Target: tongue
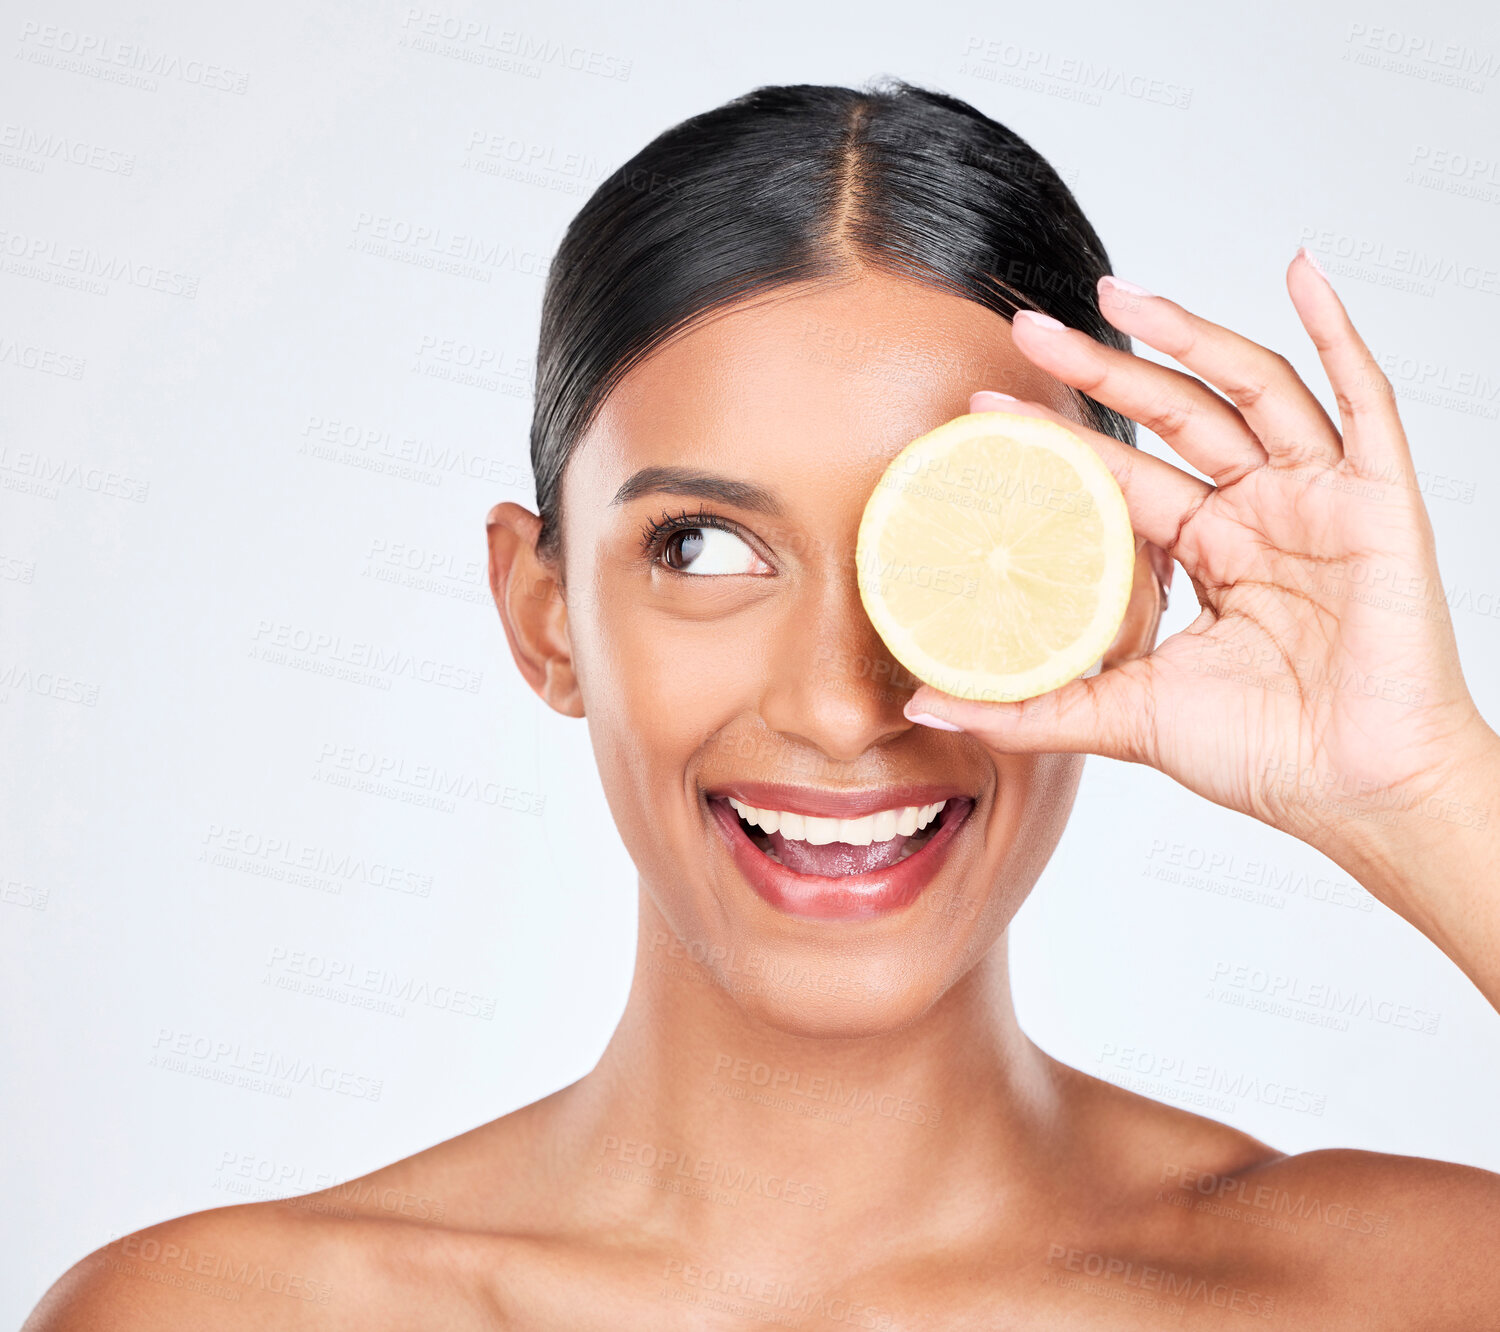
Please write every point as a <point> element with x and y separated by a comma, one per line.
<point>837,858</point>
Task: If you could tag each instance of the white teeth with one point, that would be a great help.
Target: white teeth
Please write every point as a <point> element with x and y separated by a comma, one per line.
<point>881,827</point>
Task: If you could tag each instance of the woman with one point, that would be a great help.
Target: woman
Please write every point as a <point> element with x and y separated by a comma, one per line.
<point>818,1107</point>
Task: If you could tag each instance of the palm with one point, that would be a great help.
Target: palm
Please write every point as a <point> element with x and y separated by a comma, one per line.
<point>1294,666</point>
<point>1320,682</point>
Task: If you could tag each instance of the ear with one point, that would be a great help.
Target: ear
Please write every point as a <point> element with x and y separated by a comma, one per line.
<point>1148,599</point>
<point>529,595</point>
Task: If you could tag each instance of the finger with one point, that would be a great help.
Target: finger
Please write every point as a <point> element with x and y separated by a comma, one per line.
<point>1159,497</point>
<point>1287,418</point>
<point>1099,714</point>
<point>1194,420</point>
<point>1374,440</point>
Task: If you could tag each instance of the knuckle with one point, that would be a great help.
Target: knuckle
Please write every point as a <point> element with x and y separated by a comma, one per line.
<point>1247,394</point>
<point>1276,371</point>
<point>1169,416</point>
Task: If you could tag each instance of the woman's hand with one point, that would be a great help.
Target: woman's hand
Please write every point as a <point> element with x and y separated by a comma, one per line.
<point>1319,689</point>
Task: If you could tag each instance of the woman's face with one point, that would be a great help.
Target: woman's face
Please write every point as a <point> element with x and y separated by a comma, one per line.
<point>731,656</point>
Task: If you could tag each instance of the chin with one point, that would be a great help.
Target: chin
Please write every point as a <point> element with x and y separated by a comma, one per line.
<point>817,980</point>
<point>831,1017</point>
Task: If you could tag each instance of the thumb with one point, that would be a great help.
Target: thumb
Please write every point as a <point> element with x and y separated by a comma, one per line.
<point>1084,716</point>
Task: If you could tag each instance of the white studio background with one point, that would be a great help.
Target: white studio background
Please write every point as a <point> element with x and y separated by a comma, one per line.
<point>251,428</point>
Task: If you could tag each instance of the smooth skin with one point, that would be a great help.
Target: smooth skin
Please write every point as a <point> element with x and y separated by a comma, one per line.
<point>975,1182</point>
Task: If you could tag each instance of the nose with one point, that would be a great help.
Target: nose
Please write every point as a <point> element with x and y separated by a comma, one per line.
<point>833,684</point>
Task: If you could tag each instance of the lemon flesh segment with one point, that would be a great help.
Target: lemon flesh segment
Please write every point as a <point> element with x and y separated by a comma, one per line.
<point>995,557</point>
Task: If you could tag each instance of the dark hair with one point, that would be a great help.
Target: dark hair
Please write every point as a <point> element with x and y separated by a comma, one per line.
<point>796,184</point>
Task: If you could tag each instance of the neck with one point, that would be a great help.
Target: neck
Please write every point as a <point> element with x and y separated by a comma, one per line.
<point>694,1101</point>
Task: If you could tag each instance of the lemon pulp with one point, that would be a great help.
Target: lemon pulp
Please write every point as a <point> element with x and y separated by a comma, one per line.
<point>995,557</point>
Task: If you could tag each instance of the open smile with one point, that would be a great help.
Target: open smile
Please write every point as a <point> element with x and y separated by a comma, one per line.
<point>838,855</point>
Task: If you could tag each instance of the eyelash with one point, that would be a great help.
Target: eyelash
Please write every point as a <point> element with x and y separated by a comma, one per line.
<point>654,535</point>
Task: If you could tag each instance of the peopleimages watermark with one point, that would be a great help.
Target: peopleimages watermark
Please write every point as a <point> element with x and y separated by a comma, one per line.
<point>88,269</point>
<point>1191,1078</point>
<point>1320,1003</point>
<point>766,1299</point>
<point>218,1267</point>
<point>324,653</point>
<point>976,487</point>
<point>17,569</point>
<point>1269,1199</point>
<point>425,784</point>
<point>1400,267</point>
<point>16,892</point>
<point>1365,798</point>
<point>1074,78</point>
<point>30,472</point>
<point>40,360</point>
<point>359,985</point>
<point>1141,1279</point>
<point>422,569</point>
<point>787,1086</point>
<point>727,1180</point>
<point>108,59</point>
<point>15,677</point>
<point>532,162</point>
<point>258,1178</point>
<point>935,578</point>
<point>374,448</point>
<point>436,248</point>
<point>511,50</point>
<point>1467,175</point>
<point>227,846</point>
<point>1228,874</point>
<point>753,973</point>
<point>31,148</point>
<point>254,1067</point>
<point>1420,56</point>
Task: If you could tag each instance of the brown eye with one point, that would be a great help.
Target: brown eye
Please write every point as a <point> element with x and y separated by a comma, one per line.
<point>710,550</point>
<point>683,548</point>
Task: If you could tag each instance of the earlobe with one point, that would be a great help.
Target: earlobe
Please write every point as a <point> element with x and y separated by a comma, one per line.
<point>528,594</point>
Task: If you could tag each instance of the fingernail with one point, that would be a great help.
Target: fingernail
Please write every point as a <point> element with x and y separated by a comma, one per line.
<point>1120,284</point>
<point>927,719</point>
<point>1313,260</point>
<point>1040,320</point>
<point>990,393</point>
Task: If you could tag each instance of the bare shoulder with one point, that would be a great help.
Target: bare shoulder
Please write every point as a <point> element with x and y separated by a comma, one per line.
<point>389,1248</point>
<point>255,1265</point>
<point>498,1179</point>
<point>1352,1239</point>
<point>1340,1237</point>
<point>1413,1230</point>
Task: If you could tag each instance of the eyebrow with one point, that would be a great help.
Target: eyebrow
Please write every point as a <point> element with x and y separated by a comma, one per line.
<point>702,485</point>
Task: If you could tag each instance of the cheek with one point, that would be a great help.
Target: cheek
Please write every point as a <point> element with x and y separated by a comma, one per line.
<point>660,696</point>
<point>1038,819</point>
<point>659,693</point>
<point>672,682</point>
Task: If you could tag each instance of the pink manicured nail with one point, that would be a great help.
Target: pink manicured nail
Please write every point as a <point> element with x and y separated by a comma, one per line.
<point>927,719</point>
<point>1120,284</point>
<point>1313,260</point>
<point>1040,320</point>
<point>990,393</point>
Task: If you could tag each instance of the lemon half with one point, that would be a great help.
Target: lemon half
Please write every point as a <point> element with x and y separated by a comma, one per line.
<point>995,557</point>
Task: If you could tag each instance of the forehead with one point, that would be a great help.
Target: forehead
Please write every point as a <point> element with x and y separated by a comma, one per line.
<point>810,389</point>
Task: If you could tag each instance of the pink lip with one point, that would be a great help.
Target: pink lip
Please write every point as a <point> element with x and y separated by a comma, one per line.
<point>847,897</point>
